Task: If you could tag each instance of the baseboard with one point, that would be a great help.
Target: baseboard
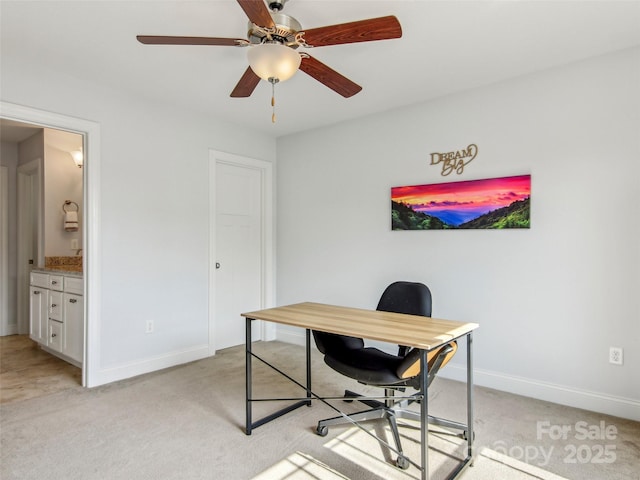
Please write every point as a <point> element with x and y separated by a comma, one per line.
<point>148,365</point>
<point>11,330</point>
<point>560,394</point>
<point>550,392</point>
<point>64,357</point>
<point>295,337</point>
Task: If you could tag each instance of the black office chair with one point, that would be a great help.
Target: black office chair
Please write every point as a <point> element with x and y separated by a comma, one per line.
<point>371,366</point>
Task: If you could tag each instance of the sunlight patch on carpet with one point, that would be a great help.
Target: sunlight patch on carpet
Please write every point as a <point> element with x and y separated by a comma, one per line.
<point>359,448</point>
<point>517,465</point>
<point>299,466</point>
<point>445,451</point>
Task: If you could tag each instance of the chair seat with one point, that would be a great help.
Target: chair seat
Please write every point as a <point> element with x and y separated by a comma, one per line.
<point>367,365</point>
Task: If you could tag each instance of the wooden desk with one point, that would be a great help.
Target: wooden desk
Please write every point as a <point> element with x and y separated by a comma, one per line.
<point>410,330</point>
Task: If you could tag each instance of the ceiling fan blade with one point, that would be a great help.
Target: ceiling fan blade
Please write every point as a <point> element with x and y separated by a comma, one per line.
<point>246,85</point>
<point>329,77</point>
<point>257,12</point>
<point>162,40</point>
<point>382,28</point>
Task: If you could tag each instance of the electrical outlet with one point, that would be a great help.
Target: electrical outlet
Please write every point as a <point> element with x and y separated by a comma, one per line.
<point>615,355</point>
<point>149,327</point>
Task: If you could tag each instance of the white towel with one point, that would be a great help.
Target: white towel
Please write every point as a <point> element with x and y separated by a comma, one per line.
<point>71,221</point>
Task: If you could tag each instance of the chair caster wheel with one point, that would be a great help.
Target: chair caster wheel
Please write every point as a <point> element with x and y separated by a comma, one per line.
<point>402,463</point>
<point>349,396</point>
<point>465,435</point>
<point>322,430</point>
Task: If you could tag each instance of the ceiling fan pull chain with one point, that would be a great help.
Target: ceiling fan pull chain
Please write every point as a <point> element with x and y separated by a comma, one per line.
<point>273,82</point>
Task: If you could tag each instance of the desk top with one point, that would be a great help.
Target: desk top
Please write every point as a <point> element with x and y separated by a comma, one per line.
<point>410,330</point>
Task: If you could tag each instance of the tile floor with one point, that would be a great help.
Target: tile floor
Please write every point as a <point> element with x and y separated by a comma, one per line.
<point>27,371</point>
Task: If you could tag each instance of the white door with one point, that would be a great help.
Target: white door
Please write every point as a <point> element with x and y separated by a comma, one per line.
<point>238,251</point>
<point>30,233</point>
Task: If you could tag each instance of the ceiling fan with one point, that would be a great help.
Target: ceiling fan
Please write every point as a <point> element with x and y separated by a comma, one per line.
<point>273,40</point>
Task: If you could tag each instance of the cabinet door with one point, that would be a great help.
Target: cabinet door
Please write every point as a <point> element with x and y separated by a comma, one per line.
<point>73,345</point>
<point>38,314</point>
<point>56,335</point>
<point>55,305</point>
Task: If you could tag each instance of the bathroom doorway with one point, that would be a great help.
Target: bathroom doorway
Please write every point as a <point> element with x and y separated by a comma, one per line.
<point>41,173</point>
<point>89,132</point>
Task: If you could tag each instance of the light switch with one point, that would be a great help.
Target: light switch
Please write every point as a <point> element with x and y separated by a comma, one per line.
<point>74,244</point>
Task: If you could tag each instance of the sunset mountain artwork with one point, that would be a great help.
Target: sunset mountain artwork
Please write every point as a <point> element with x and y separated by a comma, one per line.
<point>494,203</point>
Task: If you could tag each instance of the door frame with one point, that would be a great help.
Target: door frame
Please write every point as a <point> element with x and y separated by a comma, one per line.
<point>91,225</point>
<point>4,251</point>
<point>267,229</point>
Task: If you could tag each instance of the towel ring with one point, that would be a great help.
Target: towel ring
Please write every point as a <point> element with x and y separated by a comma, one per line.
<point>67,203</point>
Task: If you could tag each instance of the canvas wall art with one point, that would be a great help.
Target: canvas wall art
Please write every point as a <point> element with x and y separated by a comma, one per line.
<point>494,203</point>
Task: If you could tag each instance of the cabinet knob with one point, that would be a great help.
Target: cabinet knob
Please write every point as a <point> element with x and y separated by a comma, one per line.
<point>36,292</point>
<point>53,335</point>
<point>53,282</point>
<point>54,305</point>
<point>72,300</point>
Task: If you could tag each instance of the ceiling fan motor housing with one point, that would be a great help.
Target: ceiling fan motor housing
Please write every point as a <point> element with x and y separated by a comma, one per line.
<point>276,5</point>
<point>285,30</point>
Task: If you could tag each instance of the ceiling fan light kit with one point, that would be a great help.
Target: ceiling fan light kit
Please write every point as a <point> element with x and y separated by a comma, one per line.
<point>273,61</point>
<point>273,40</point>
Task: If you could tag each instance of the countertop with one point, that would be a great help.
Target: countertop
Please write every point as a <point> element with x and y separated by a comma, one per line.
<point>68,270</point>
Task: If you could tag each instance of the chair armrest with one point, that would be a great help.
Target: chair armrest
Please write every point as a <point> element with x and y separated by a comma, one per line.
<point>436,359</point>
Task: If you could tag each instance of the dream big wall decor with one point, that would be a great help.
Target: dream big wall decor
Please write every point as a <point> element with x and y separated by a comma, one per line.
<point>455,161</point>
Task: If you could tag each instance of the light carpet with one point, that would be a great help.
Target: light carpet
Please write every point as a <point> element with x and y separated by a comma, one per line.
<point>187,422</point>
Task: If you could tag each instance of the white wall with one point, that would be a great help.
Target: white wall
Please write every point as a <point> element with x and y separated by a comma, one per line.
<point>153,214</point>
<point>31,148</point>
<point>549,300</point>
<point>62,181</point>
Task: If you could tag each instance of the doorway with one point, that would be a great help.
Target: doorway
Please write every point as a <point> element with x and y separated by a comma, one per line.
<point>241,247</point>
<point>91,147</point>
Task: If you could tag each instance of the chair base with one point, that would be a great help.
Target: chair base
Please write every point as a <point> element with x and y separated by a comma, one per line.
<point>389,410</point>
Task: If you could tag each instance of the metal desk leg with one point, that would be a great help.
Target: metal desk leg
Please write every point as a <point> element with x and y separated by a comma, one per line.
<point>424,416</point>
<point>248,357</point>
<point>470,433</point>
<point>308,340</point>
<point>250,424</point>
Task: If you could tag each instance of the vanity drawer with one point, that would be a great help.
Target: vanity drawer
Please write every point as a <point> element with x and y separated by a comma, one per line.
<point>74,285</point>
<point>56,282</point>
<point>40,280</point>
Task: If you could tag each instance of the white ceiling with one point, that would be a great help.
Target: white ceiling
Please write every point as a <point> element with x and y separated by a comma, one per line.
<point>447,46</point>
<point>15,132</point>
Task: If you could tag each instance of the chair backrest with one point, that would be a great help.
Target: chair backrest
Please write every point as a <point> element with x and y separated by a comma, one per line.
<point>410,298</point>
<point>415,299</point>
<point>399,297</point>
<point>406,297</point>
